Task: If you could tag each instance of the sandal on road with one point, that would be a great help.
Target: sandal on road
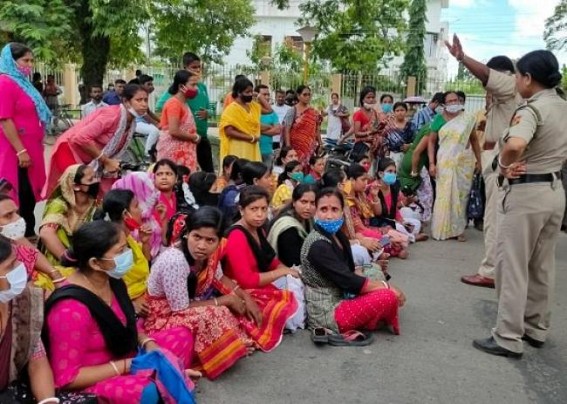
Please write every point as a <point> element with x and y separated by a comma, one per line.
<point>320,335</point>
<point>351,338</point>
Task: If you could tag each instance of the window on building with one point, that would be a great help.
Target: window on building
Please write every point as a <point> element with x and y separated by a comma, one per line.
<point>266,44</point>
<point>295,43</point>
<point>430,45</point>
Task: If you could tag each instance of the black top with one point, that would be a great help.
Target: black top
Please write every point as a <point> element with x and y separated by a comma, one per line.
<point>289,247</point>
<point>335,263</point>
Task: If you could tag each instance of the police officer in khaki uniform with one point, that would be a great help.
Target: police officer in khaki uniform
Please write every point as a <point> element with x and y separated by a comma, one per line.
<point>530,209</point>
<point>497,77</point>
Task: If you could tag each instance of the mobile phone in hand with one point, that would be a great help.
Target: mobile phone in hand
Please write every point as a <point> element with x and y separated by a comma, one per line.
<point>385,241</point>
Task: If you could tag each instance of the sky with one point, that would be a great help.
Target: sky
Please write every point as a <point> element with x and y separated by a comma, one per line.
<point>499,27</point>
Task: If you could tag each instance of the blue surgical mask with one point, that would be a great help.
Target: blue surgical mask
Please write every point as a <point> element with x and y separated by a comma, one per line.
<point>297,176</point>
<point>387,108</point>
<point>17,278</point>
<point>123,262</point>
<point>389,178</point>
<point>330,226</point>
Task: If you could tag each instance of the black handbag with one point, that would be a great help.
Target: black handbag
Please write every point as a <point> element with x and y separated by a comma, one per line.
<point>475,208</point>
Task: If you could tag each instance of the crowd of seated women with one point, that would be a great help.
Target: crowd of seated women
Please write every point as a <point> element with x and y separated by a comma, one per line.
<point>204,270</point>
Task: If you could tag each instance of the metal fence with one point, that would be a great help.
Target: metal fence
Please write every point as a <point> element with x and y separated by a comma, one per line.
<point>219,80</point>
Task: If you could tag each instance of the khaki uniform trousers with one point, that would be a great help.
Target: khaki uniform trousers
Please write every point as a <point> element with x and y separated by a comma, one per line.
<point>529,221</point>
<point>490,176</point>
<point>564,174</point>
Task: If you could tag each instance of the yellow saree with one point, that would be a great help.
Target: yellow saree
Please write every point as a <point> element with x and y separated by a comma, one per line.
<point>247,122</point>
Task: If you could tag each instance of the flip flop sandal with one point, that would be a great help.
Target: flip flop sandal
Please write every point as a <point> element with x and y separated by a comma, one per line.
<point>351,338</point>
<point>320,335</point>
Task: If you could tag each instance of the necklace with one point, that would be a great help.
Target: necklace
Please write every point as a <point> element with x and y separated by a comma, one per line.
<point>107,300</point>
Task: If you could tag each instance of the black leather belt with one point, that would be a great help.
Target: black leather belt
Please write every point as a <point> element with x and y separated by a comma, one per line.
<point>531,178</point>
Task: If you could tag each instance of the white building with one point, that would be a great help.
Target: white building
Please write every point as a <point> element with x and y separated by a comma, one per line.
<point>278,26</point>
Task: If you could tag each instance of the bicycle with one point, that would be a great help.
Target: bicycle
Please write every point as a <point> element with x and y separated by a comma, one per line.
<point>61,121</point>
<point>136,154</point>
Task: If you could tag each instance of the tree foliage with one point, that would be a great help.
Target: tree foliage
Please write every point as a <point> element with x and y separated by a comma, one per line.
<point>355,35</point>
<point>414,55</point>
<point>38,23</point>
<point>556,27</point>
<point>207,27</point>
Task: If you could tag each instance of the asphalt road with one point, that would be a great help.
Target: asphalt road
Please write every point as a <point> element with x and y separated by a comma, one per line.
<point>432,361</point>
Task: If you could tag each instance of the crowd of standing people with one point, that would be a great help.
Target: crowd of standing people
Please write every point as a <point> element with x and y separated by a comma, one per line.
<point>139,282</point>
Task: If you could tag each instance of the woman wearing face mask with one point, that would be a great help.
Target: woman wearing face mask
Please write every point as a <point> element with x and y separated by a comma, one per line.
<point>178,138</point>
<point>366,122</point>
<point>13,227</point>
<point>99,140</point>
<point>23,119</point>
<point>458,149</point>
<point>362,211</point>
<point>21,349</point>
<point>287,181</point>
<point>187,288</point>
<point>391,204</point>
<point>70,205</point>
<point>398,132</point>
<point>239,127</point>
<point>147,197</point>
<point>292,225</point>
<point>302,126</point>
<point>340,300</point>
<point>123,208</point>
<point>90,330</point>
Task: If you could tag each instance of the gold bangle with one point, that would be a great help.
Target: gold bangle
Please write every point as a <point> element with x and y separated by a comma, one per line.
<point>58,280</point>
<point>145,341</point>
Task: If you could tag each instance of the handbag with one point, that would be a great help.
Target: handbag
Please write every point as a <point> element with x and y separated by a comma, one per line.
<point>475,207</point>
<point>296,287</point>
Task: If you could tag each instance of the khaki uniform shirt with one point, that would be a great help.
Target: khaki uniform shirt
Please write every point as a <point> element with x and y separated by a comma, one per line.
<point>542,123</point>
<point>505,100</point>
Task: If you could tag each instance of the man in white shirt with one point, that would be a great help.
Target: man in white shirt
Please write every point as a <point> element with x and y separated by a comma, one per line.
<point>280,108</point>
<point>96,101</point>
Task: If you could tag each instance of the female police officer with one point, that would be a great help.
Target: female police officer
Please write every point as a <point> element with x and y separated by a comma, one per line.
<point>530,209</point>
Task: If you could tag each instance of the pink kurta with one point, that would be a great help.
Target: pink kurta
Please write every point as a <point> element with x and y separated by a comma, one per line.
<point>76,342</point>
<point>16,105</point>
<point>96,129</point>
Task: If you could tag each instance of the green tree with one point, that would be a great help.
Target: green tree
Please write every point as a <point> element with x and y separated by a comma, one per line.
<point>555,28</point>
<point>355,35</point>
<point>59,30</point>
<point>414,56</point>
<point>207,27</point>
<point>37,25</point>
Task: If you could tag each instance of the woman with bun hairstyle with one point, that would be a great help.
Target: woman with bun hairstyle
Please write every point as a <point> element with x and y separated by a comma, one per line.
<point>530,211</point>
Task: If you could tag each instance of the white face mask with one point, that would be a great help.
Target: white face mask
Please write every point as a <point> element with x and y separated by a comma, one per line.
<point>453,109</point>
<point>17,278</point>
<point>133,112</point>
<point>15,230</point>
<point>369,106</point>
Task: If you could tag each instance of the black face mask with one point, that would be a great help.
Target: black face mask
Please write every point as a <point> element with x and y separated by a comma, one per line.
<point>246,98</point>
<point>93,189</point>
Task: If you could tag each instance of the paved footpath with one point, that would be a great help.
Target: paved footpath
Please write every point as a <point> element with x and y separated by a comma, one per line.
<point>432,361</point>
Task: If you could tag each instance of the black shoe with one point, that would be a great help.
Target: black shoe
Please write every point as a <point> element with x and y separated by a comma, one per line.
<point>490,346</point>
<point>533,342</point>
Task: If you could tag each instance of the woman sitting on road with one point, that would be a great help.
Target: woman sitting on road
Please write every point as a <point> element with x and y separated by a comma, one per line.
<point>224,177</point>
<point>13,227</point>
<point>70,205</point>
<point>147,196</point>
<point>187,288</point>
<point>287,181</point>
<point>251,262</point>
<point>99,140</point>
<point>21,319</point>
<point>178,138</point>
<point>123,209</point>
<point>228,199</point>
<point>90,330</point>
<point>362,212</point>
<point>294,222</point>
<point>339,298</point>
<point>257,173</point>
<point>165,179</point>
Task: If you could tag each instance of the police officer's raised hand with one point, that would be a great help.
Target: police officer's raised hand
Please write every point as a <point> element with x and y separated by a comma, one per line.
<point>455,49</point>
